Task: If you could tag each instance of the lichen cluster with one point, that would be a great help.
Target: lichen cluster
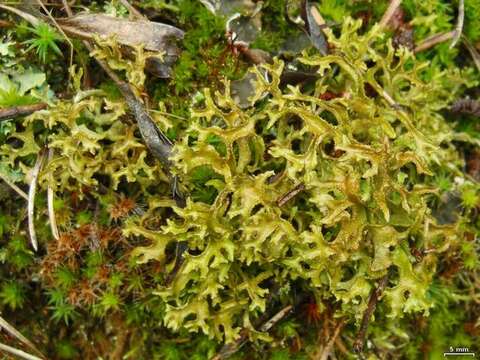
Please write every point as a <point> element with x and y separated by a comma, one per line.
<point>359,155</point>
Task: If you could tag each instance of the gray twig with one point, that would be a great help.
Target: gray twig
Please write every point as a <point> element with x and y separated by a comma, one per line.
<point>14,187</point>
<point>31,199</point>
<point>434,40</point>
<point>11,112</point>
<point>20,353</point>
<point>134,12</point>
<point>50,198</point>
<point>16,334</point>
<point>328,348</point>
<point>392,7</point>
<point>460,20</point>
<point>473,52</point>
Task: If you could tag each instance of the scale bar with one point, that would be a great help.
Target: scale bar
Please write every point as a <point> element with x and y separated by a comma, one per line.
<point>458,353</point>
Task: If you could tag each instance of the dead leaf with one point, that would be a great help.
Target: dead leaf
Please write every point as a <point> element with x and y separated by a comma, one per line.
<point>154,36</point>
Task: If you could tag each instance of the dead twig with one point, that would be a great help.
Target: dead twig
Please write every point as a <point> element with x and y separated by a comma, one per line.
<point>460,20</point>
<point>28,17</point>
<point>31,199</point>
<point>276,318</point>
<point>16,334</point>
<point>473,52</point>
<point>341,346</point>
<point>14,187</point>
<point>229,349</point>
<point>392,7</point>
<point>282,200</point>
<point>372,304</point>
<point>11,112</point>
<point>328,348</point>
<point>51,209</point>
<point>434,40</point>
<point>17,352</point>
<point>133,12</point>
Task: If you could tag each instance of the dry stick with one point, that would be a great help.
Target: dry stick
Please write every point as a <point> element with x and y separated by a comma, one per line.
<point>434,40</point>
<point>51,210</point>
<point>16,334</point>
<point>372,304</point>
<point>30,18</point>
<point>282,200</point>
<point>341,346</point>
<point>229,349</point>
<point>459,27</point>
<point>17,352</point>
<point>14,187</point>
<point>328,348</point>
<point>31,199</point>
<point>392,7</point>
<point>473,52</point>
<point>134,12</point>
<point>276,318</point>
<point>23,110</point>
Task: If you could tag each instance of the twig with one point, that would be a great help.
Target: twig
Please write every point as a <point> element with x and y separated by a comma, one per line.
<point>459,27</point>
<point>134,12</point>
<point>16,334</point>
<point>341,346</point>
<point>61,31</point>
<point>31,199</point>
<point>276,318</point>
<point>392,7</point>
<point>327,349</point>
<point>473,52</point>
<point>30,18</point>
<point>67,8</point>
<point>372,304</point>
<point>23,110</point>
<point>282,200</point>
<point>14,187</point>
<point>17,352</point>
<point>434,40</point>
<point>51,209</point>
<point>229,349</point>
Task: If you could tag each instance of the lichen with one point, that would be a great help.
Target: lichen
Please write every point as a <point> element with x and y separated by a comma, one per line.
<point>359,155</point>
